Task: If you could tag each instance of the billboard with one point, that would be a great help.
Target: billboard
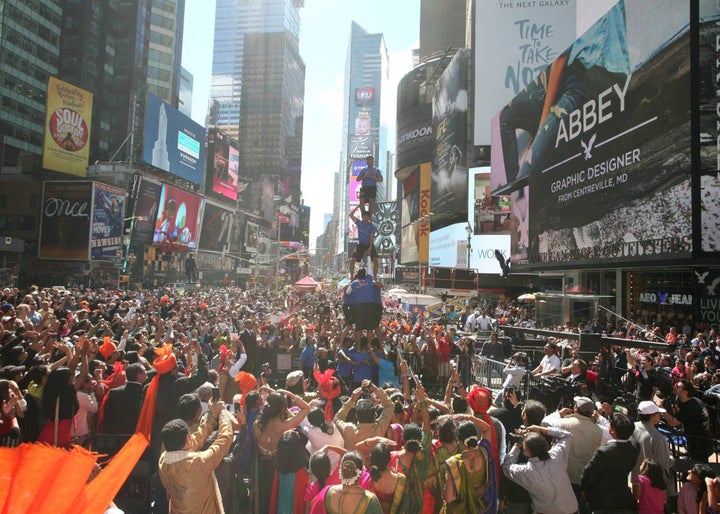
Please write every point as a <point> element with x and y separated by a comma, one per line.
<point>514,41</point>
<point>178,218</point>
<point>449,172</point>
<point>409,213</point>
<point>107,222</point>
<point>386,219</point>
<point>709,84</point>
<point>173,142</point>
<point>364,96</point>
<point>361,146</point>
<point>603,175</point>
<point>146,212</point>
<point>223,164</point>
<point>448,248</point>
<point>65,220</point>
<point>216,228</point>
<point>414,141</point>
<point>489,214</point>
<point>68,119</point>
<point>354,187</point>
<point>252,236</point>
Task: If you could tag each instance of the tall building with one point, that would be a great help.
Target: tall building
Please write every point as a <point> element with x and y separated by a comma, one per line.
<point>165,50</point>
<point>29,52</point>
<point>186,92</point>
<point>233,20</point>
<point>271,117</point>
<point>442,26</point>
<point>366,78</point>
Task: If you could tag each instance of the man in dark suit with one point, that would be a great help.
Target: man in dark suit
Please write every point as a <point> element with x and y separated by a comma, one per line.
<point>604,481</point>
<point>122,406</point>
<point>248,337</point>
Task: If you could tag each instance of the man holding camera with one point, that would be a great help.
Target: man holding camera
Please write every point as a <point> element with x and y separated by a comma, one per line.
<point>587,437</point>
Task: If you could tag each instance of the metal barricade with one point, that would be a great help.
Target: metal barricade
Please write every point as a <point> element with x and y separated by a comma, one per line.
<point>489,373</point>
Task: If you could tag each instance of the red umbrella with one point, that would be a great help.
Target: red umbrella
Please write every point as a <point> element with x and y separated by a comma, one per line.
<point>579,290</point>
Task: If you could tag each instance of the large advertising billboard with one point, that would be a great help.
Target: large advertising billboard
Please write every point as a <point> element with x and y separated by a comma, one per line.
<point>65,220</point>
<point>223,164</point>
<point>603,174</point>
<point>68,119</point>
<point>409,213</point>
<point>514,41</point>
<point>173,142</point>
<point>107,222</point>
<point>448,248</point>
<point>216,228</point>
<point>450,172</point>
<point>414,142</point>
<point>354,186</point>
<point>146,212</point>
<point>709,71</point>
<point>386,219</point>
<point>488,214</point>
<point>360,147</point>
<point>178,219</point>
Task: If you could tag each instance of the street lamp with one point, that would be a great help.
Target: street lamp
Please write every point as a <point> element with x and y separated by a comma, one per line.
<point>469,230</point>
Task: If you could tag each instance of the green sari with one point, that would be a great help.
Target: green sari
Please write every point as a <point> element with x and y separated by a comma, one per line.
<point>475,492</point>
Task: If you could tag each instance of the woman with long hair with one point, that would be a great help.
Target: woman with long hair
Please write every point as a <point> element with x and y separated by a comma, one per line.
<point>470,478</point>
<point>274,419</point>
<point>325,473</point>
<point>59,402</point>
<point>388,486</point>
<point>347,497</point>
<point>291,475</point>
<point>413,459</point>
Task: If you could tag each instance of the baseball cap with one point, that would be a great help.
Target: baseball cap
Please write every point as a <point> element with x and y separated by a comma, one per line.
<point>648,408</point>
<point>584,405</point>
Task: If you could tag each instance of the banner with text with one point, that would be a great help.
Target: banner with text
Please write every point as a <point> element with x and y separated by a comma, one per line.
<point>514,41</point>
<point>604,175</point>
<point>68,119</point>
<point>107,222</point>
<point>65,220</point>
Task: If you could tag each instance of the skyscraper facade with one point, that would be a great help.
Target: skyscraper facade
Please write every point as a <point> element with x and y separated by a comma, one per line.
<point>186,92</point>
<point>366,77</point>
<point>29,52</point>
<point>165,50</point>
<point>233,20</point>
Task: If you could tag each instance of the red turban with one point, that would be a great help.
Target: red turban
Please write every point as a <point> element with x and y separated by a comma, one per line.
<point>329,387</point>
<point>246,382</point>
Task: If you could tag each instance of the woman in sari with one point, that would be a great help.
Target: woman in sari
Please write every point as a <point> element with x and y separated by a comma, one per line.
<point>348,497</point>
<point>414,459</point>
<point>273,420</point>
<point>388,486</point>
<point>291,476</point>
<point>470,481</point>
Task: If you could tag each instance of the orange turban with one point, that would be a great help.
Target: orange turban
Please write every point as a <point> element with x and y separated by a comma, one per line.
<point>247,382</point>
<point>107,348</point>
<point>164,363</point>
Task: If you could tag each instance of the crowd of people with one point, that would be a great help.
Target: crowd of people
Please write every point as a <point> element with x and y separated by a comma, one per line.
<point>335,401</point>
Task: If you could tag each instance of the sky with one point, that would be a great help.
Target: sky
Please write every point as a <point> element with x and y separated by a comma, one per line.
<point>324,39</point>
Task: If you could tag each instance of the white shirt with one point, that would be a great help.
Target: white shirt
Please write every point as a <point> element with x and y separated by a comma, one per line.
<point>546,481</point>
<point>549,363</point>
<point>88,405</point>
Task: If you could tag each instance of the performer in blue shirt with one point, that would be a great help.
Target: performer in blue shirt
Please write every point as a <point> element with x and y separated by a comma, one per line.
<point>365,247</point>
<point>369,176</point>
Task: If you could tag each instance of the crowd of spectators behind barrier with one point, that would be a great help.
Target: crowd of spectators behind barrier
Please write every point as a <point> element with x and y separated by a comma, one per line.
<point>366,421</point>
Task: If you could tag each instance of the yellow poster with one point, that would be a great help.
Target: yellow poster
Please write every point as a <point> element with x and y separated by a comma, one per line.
<point>424,232</point>
<point>67,128</point>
